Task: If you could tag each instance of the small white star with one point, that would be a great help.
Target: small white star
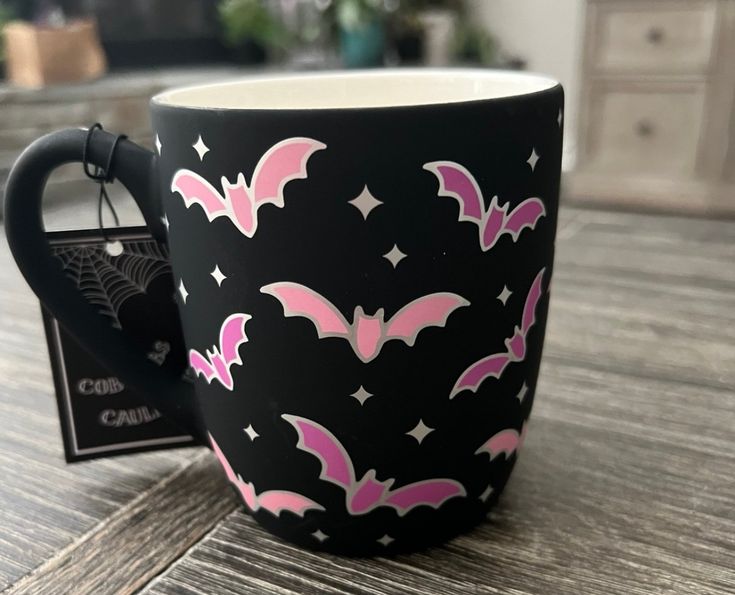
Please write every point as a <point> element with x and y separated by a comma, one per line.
<point>361,395</point>
<point>420,432</point>
<point>159,144</point>
<point>365,202</point>
<point>395,255</point>
<point>560,117</point>
<point>182,290</point>
<point>320,536</point>
<point>165,222</point>
<point>386,540</point>
<point>487,493</point>
<point>522,393</point>
<point>250,431</point>
<point>504,295</point>
<point>218,276</point>
<point>201,148</point>
<point>533,159</point>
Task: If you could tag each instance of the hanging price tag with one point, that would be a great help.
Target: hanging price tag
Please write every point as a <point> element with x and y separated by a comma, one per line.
<point>126,275</point>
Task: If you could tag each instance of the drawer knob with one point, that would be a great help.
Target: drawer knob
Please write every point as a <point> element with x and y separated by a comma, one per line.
<point>655,35</point>
<point>644,128</point>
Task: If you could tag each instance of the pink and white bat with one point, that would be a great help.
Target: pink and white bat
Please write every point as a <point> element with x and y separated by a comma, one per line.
<point>504,442</point>
<point>217,362</point>
<point>457,182</point>
<point>283,162</point>
<point>274,501</point>
<point>366,334</point>
<point>493,365</point>
<point>368,493</point>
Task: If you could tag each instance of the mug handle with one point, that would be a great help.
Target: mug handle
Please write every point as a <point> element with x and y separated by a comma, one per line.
<point>162,387</point>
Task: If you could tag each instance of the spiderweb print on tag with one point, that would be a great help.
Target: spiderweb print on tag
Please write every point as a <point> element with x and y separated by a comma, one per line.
<point>108,281</point>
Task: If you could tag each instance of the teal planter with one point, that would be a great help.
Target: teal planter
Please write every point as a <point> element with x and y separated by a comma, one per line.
<point>363,47</point>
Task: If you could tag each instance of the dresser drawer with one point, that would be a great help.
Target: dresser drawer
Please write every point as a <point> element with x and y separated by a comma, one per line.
<point>644,130</point>
<point>661,37</point>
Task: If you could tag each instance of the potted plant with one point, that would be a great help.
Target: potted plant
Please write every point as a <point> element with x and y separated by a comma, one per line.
<point>7,14</point>
<point>474,45</point>
<point>407,35</point>
<point>310,26</point>
<point>251,30</point>
<point>439,19</point>
<point>51,49</point>
<point>361,32</point>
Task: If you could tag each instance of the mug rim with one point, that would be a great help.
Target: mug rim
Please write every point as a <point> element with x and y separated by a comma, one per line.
<point>192,97</point>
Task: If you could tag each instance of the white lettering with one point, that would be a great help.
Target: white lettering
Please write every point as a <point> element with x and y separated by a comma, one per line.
<point>99,387</point>
<point>138,416</point>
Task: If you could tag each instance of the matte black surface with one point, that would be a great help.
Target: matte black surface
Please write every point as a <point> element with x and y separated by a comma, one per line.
<point>321,241</point>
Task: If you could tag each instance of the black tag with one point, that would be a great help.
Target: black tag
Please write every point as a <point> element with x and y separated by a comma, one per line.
<point>128,278</point>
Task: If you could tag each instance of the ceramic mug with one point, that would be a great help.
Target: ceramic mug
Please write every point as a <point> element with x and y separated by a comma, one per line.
<point>363,265</point>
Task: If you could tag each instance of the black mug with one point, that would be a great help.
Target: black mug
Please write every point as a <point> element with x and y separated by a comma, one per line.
<point>363,265</point>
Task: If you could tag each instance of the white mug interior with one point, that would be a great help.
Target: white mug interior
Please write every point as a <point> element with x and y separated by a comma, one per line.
<point>361,89</point>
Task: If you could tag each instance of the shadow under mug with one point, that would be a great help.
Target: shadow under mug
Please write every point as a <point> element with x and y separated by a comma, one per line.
<point>363,265</point>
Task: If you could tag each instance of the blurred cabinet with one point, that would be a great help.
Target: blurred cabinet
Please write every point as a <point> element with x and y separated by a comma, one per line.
<point>657,115</point>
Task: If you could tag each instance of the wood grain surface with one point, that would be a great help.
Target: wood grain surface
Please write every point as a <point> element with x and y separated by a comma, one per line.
<point>140,539</point>
<point>64,527</point>
<point>626,483</point>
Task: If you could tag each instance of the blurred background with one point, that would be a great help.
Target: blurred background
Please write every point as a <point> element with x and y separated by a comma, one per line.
<point>650,87</point>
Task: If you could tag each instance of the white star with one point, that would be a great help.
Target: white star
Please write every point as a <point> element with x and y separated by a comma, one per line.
<point>386,540</point>
<point>395,255</point>
<point>504,295</point>
<point>522,393</point>
<point>250,431</point>
<point>159,144</point>
<point>218,276</point>
<point>165,222</point>
<point>182,290</point>
<point>365,202</point>
<point>320,536</point>
<point>420,432</point>
<point>201,148</point>
<point>533,159</point>
<point>361,395</point>
<point>560,117</point>
<point>487,493</point>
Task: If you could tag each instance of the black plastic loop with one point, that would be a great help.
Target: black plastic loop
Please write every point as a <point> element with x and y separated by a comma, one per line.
<point>102,175</point>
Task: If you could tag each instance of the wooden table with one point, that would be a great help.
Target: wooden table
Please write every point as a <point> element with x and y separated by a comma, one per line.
<point>626,483</point>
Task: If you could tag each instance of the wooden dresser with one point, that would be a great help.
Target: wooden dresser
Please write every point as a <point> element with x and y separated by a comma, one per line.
<point>657,116</point>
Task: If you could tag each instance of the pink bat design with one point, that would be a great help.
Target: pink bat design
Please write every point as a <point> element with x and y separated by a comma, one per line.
<point>366,334</point>
<point>368,493</point>
<point>274,501</point>
<point>217,362</point>
<point>283,162</point>
<point>494,365</point>
<point>504,442</point>
<point>458,183</point>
